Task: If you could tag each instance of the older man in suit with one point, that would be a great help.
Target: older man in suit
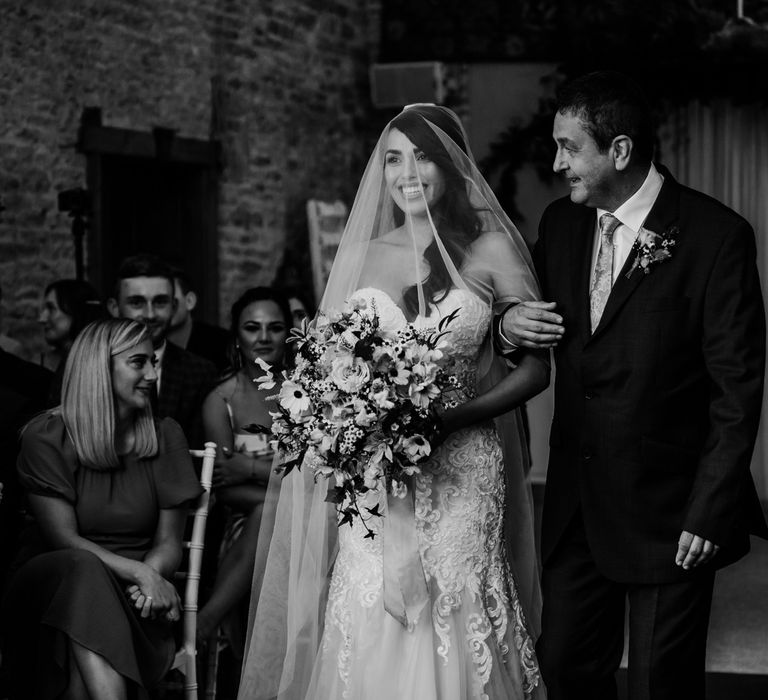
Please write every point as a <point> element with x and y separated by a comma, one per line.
<point>144,292</point>
<point>657,324</point>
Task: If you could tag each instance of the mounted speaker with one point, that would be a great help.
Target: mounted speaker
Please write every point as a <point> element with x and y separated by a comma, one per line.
<point>400,84</point>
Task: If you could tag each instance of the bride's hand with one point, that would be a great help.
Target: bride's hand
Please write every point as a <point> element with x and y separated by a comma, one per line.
<point>443,427</point>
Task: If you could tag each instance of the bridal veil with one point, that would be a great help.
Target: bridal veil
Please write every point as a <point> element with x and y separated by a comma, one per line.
<point>433,197</point>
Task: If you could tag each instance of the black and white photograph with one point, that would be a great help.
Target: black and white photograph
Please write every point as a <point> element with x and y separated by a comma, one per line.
<point>383,350</point>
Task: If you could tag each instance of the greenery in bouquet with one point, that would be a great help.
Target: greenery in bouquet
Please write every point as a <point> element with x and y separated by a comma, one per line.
<point>362,403</point>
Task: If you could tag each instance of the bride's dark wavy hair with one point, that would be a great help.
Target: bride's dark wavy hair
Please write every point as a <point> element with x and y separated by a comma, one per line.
<point>456,220</point>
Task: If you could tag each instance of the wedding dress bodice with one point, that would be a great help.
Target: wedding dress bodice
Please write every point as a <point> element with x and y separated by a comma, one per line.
<point>466,333</point>
<point>459,503</point>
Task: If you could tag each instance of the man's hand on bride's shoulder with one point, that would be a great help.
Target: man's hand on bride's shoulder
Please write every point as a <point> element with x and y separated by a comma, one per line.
<point>532,324</point>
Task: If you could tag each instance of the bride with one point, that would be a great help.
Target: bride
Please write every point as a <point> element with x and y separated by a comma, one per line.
<point>443,603</point>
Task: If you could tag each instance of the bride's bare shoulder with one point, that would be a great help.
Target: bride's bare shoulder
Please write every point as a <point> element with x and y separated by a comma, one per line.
<point>492,245</point>
<point>492,240</point>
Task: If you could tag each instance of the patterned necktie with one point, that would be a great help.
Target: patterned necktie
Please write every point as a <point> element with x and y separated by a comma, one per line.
<point>601,285</point>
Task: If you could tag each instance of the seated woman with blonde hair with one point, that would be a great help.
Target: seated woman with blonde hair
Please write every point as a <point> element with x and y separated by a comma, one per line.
<point>89,612</point>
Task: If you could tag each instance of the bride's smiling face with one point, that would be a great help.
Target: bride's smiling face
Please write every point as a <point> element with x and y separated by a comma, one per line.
<point>413,180</point>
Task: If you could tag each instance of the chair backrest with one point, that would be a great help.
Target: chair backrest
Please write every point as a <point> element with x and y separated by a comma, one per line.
<point>326,221</point>
<point>185,657</point>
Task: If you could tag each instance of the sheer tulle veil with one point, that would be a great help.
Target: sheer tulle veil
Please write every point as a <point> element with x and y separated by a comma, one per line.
<point>424,221</point>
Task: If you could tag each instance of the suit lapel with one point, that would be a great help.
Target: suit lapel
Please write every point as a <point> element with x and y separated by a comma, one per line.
<point>582,240</point>
<point>662,215</point>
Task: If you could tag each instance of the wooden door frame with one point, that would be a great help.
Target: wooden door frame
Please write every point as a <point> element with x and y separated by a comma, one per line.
<point>96,142</point>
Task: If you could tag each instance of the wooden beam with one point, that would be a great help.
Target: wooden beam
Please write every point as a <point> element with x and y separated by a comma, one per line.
<point>109,140</point>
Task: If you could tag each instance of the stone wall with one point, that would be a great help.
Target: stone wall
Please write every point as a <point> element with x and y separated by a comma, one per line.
<point>283,84</point>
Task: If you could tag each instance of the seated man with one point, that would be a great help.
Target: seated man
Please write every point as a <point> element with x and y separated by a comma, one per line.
<point>204,339</point>
<point>144,292</point>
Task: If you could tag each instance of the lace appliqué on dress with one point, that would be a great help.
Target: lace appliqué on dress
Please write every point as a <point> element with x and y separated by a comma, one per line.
<point>459,501</point>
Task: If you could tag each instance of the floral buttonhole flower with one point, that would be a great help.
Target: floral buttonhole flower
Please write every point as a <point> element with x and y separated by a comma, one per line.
<point>652,248</point>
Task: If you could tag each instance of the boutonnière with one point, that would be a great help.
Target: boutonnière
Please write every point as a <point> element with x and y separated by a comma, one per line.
<point>652,248</point>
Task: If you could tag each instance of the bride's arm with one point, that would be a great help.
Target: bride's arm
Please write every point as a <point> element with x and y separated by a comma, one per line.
<point>529,378</point>
<point>495,263</point>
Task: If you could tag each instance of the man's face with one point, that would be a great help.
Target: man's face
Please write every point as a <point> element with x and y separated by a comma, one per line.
<point>149,300</point>
<point>590,173</point>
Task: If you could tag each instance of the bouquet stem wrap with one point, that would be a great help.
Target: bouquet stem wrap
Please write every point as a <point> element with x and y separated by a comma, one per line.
<point>405,587</point>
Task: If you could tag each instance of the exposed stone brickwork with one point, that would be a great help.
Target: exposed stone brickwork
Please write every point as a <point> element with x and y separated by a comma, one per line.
<point>283,84</point>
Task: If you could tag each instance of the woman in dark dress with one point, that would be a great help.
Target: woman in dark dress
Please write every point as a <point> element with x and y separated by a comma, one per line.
<point>89,612</point>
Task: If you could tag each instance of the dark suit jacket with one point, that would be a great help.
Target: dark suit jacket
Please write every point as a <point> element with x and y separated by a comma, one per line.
<point>210,342</point>
<point>656,413</point>
<point>186,381</point>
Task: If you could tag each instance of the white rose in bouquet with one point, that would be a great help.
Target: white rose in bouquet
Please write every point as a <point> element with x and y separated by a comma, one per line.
<point>350,374</point>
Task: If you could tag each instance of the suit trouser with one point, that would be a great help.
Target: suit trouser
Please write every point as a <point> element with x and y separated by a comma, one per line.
<point>582,638</point>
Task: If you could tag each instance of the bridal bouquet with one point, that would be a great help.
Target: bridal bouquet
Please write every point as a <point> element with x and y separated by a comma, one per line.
<point>362,400</point>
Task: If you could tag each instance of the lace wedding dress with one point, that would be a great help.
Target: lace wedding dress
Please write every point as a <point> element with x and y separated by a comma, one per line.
<point>471,640</point>
<point>326,618</point>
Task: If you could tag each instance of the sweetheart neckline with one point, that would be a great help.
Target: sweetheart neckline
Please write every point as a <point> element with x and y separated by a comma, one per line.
<point>391,299</point>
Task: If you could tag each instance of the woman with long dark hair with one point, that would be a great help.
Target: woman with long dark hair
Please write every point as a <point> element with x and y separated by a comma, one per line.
<point>442,603</point>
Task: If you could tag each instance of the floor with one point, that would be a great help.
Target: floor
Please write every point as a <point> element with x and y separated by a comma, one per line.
<point>738,630</point>
<point>720,686</point>
<point>737,646</point>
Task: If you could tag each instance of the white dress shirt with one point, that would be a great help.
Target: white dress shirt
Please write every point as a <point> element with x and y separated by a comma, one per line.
<point>632,215</point>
